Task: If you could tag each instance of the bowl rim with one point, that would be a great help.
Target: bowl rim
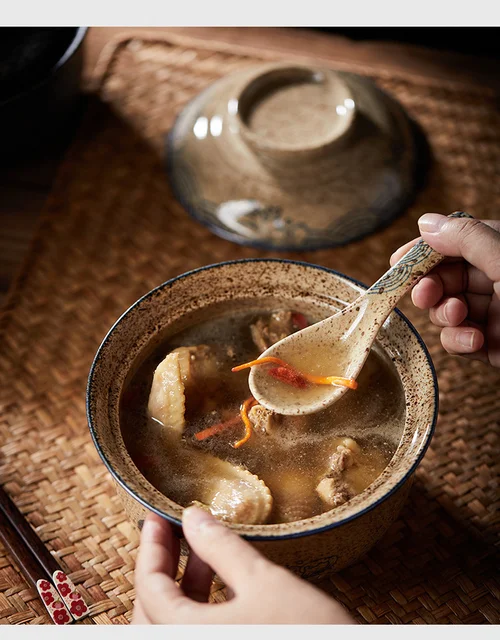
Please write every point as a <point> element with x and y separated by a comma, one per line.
<point>73,46</point>
<point>249,536</point>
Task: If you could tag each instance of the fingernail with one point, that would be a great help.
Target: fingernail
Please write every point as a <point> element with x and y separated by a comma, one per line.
<point>150,529</point>
<point>466,339</point>
<point>431,222</point>
<point>198,518</point>
<point>444,312</point>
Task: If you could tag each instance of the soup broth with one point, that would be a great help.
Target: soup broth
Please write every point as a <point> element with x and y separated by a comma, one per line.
<point>291,467</point>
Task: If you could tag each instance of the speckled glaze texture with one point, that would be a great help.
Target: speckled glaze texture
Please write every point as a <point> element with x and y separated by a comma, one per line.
<point>310,547</point>
<point>282,156</point>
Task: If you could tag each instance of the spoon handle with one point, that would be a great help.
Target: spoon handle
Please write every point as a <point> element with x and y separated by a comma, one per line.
<point>419,260</point>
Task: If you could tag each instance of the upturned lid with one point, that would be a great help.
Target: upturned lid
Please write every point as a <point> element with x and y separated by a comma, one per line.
<point>292,157</point>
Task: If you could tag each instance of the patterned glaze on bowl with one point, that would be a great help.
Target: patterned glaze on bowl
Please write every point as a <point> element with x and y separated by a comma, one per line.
<point>312,547</point>
<point>291,157</point>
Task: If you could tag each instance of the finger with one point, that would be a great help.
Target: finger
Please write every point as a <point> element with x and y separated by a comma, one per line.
<point>450,312</point>
<point>232,558</point>
<point>450,279</point>
<point>159,549</point>
<point>462,340</point>
<point>494,332</point>
<point>197,579</point>
<point>139,616</point>
<point>459,276</point>
<point>478,307</point>
<point>428,292</point>
<point>480,356</point>
<point>156,569</point>
<point>402,251</point>
<point>472,240</point>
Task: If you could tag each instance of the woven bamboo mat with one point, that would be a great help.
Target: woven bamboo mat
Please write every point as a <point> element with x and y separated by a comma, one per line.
<point>111,231</point>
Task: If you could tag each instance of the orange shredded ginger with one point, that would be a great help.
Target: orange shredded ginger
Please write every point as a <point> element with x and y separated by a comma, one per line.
<point>221,426</point>
<point>217,428</point>
<point>245,408</point>
<point>350,383</point>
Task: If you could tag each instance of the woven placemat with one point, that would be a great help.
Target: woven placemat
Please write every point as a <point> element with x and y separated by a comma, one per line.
<point>111,231</point>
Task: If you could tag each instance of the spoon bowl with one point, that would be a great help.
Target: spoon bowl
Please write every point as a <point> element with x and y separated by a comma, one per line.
<point>339,345</point>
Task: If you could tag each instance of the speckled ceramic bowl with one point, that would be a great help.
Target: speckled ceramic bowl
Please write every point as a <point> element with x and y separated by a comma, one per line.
<point>310,547</point>
<point>285,156</point>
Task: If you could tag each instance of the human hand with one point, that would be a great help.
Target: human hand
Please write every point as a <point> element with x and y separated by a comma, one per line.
<point>261,591</point>
<point>462,293</point>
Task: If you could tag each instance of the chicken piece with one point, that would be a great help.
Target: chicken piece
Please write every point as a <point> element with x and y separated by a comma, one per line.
<point>344,457</point>
<point>351,444</point>
<point>231,492</point>
<point>199,368</point>
<point>167,401</point>
<point>333,489</point>
<point>236,495</point>
<point>177,381</point>
<point>263,419</point>
<point>267,332</point>
<point>185,378</point>
<point>266,422</point>
<point>341,460</point>
<point>200,377</point>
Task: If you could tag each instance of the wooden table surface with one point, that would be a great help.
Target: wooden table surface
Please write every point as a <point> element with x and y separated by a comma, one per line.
<point>24,188</point>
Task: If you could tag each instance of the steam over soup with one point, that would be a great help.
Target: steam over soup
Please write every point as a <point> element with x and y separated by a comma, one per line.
<point>193,430</point>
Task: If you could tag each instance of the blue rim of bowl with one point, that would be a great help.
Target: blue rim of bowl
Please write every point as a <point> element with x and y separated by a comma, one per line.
<point>74,45</point>
<point>397,210</point>
<point>249,536</point>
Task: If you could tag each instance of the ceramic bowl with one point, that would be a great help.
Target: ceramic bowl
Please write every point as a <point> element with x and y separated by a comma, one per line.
<point>293,157</point>
<point>309,547</point>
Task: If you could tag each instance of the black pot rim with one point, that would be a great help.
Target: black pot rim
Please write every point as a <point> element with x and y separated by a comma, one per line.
<point>74,45</point>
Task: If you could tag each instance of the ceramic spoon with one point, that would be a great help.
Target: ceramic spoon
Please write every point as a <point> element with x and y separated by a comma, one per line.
<point>339,345</point>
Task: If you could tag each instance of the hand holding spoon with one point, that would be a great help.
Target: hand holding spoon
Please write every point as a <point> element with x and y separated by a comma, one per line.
<point>340,344</point>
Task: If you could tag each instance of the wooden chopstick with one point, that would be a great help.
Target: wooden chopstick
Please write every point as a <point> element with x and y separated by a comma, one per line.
<point>28,534</point>
<point>63,602</point>
<point>34,572</point>
<point>28,564</point>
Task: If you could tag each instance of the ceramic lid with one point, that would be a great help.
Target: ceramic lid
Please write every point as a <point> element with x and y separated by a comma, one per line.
<point>291,157</point>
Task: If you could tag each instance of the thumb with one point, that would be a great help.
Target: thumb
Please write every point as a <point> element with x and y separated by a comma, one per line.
<point>232,558</point>
<point>472,240</point>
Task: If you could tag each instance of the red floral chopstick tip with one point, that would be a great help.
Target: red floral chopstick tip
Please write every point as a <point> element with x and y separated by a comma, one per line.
<point>56,608</point>
<point>72,598</point>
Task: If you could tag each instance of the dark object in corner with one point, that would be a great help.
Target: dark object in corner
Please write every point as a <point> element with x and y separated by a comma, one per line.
<point>479,41</point>
<point>40,72</point>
